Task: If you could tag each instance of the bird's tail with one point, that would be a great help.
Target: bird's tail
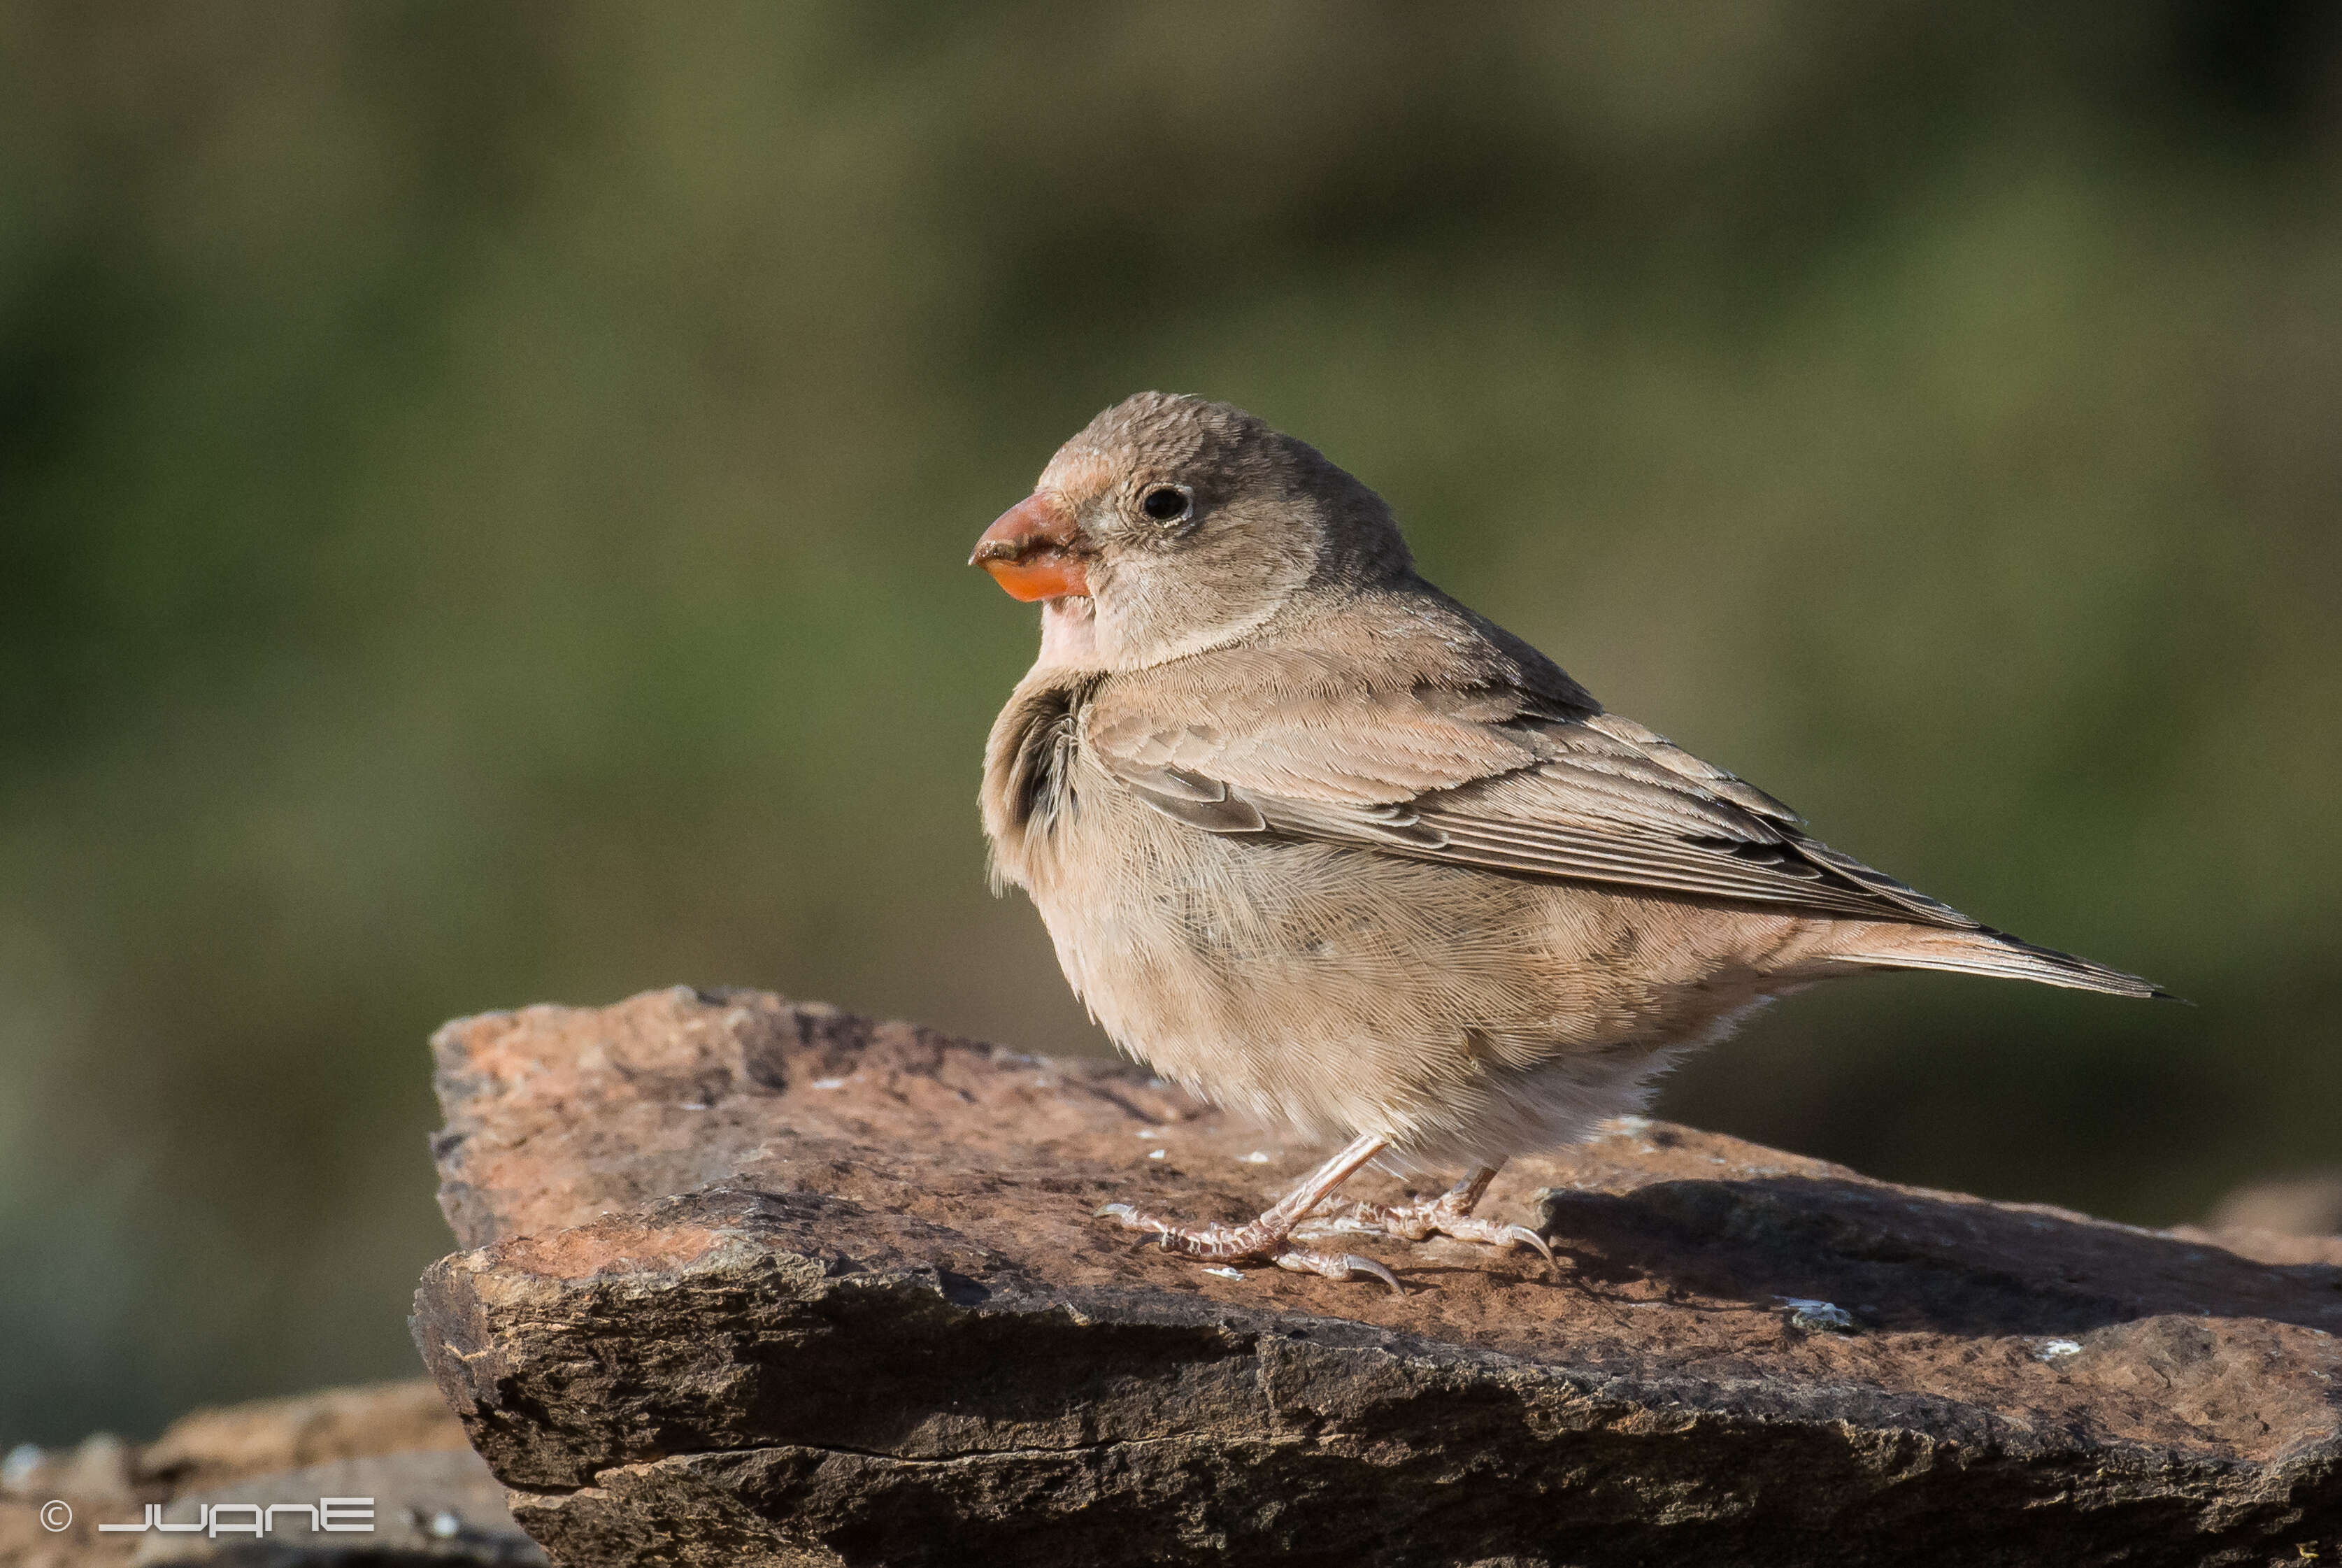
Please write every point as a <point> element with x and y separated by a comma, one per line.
<point>1984,950</point>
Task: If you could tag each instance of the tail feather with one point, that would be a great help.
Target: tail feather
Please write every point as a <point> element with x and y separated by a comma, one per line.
<point>1985,950</point>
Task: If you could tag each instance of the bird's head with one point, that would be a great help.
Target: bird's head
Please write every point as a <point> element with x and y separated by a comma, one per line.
<point>1171,524</point>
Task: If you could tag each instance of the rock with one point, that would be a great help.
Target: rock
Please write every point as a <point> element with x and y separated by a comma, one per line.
<point>99,1468</point>
<point>753,1282</point>
<point>2309,1204</point>
<point>208,1448</point>
<point>395,1445</point>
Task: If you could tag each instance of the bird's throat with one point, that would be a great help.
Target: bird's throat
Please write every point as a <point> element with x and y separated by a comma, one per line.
<point>1069,631</point>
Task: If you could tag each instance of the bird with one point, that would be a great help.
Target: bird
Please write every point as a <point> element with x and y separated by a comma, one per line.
<point>1320,843</point>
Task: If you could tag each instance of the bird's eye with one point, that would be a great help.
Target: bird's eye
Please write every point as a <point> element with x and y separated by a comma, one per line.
<point>1165,504</point>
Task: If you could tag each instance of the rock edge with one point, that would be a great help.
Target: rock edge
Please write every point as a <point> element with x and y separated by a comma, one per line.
<point>751,1281</point>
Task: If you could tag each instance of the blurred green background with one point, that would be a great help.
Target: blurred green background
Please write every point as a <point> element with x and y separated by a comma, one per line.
<point>484,493</point>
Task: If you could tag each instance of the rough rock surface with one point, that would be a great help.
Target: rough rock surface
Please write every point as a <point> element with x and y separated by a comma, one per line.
<point>393,1443</point>
<point>2307,1205</point>
<point>758,1282</point>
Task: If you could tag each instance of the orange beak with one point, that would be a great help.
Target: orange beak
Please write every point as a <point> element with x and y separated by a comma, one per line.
<point>1030,550</point>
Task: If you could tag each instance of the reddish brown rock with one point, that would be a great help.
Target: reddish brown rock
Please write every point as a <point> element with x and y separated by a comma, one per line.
<point>759,1281</point>
<point>394,1444</point>
<point>207,1449</point>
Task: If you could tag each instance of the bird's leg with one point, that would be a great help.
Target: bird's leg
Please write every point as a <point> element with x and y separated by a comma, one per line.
<point>1448,1215</point>
<point>1267,1237</point>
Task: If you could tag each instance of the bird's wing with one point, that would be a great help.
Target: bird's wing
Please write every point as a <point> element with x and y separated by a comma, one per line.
<point>1491,776</point>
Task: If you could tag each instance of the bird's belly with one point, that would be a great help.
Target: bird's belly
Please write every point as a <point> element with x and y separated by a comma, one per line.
<point>1340,991</point>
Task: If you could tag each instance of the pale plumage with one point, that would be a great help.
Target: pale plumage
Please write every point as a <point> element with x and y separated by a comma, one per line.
<point>1318,842</point>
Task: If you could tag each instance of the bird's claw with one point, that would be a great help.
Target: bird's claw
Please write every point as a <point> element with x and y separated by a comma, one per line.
<point>1221,1245</point>
<point>1527,1237</point>
<point>1337,1266</point>
<point>1419,1222</point>
<point>1157,1236</point>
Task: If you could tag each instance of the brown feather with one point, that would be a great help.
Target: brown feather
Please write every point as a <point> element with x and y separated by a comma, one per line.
<point>1318,841</point>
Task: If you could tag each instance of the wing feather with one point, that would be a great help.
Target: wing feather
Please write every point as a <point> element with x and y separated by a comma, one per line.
<point>1489,776</point>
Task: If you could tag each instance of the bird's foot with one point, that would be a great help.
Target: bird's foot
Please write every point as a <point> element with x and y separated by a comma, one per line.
<point>1214,1244</point>
<point>1427,1217</point>
<point>1259,1241</point>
